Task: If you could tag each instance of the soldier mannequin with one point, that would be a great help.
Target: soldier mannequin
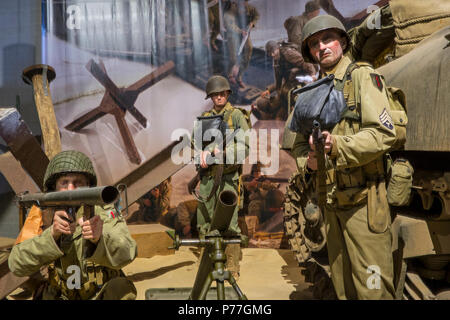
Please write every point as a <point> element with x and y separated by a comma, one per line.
<point>353,149</point>
<point>110,246</point>
<point>155,203</point>
<point>218,89</point>
<point>214,23</point>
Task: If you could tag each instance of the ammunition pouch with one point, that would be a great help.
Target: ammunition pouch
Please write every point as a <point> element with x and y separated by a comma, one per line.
<point>353,184</point>
<point>97,277</point>
<point>400,183</point>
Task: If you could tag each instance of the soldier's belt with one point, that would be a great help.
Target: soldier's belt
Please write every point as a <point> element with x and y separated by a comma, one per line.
<point>357,177</point>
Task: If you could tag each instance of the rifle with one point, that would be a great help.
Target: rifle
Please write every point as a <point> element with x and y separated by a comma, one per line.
<point>321,186</point>
<point>192,184</point>
<point>273,179</point>
<point>69,200</point>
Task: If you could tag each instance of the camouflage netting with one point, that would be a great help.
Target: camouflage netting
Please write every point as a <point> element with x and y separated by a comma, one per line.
<point>70,161</point>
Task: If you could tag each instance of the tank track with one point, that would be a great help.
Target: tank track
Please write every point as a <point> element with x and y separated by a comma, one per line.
<point>303,243</point>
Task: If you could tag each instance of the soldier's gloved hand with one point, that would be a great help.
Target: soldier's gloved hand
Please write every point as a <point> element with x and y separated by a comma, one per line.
<point>91,229</point>
<point>61,224</point>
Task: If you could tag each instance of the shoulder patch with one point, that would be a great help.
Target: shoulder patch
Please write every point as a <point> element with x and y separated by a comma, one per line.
<point>376,79</point>
<point>386,119</point>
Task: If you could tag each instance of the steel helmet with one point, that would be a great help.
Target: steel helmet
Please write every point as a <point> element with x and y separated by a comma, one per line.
<point>216,84</point>
<point>65,162</point>
<point>318,24</point>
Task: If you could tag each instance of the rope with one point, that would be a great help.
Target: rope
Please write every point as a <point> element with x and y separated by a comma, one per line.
<point>421,20</point>
<point>409,41</point>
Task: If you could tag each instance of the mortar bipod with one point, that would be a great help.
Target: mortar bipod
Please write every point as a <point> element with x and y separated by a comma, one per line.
<point>215,252</point>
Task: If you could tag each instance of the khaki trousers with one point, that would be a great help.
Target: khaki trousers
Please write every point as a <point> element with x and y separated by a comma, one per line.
<point>361,261</point>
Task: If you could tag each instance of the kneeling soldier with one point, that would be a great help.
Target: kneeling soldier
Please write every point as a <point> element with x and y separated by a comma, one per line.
<point>58,243</point>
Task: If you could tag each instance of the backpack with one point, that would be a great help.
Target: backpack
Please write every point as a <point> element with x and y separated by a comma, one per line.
<point>397,104</point>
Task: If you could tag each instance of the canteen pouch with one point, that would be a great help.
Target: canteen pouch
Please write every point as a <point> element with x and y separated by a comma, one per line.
<point>400,183</point>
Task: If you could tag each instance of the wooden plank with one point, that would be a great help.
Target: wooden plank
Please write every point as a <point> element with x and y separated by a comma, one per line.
<point>6,243</point>
<point>46,112</point>
<point>152,172</point>
<point>151,240</point>
<point>8,281</point>
<point>16,176</point>
<point>22,144</point>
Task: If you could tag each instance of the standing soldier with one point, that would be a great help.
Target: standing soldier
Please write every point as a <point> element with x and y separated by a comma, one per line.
<point>288,64</point>
<point>359,250</point>
<point>238,22</point>
<point>59,244</point>
<point>294,25</point>
<point>156,202</point>
<point>214,22</point>
<point>218,89</point>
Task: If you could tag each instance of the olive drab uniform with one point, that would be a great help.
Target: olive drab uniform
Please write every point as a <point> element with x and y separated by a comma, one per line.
<point>360,258</point>
<point>232,172</point>
<point>101,277</point>
<point>71,276</point>
<point>231,180</point>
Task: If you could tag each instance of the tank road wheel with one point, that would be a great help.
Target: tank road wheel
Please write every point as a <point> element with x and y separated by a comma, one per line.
<point>307,244</point>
